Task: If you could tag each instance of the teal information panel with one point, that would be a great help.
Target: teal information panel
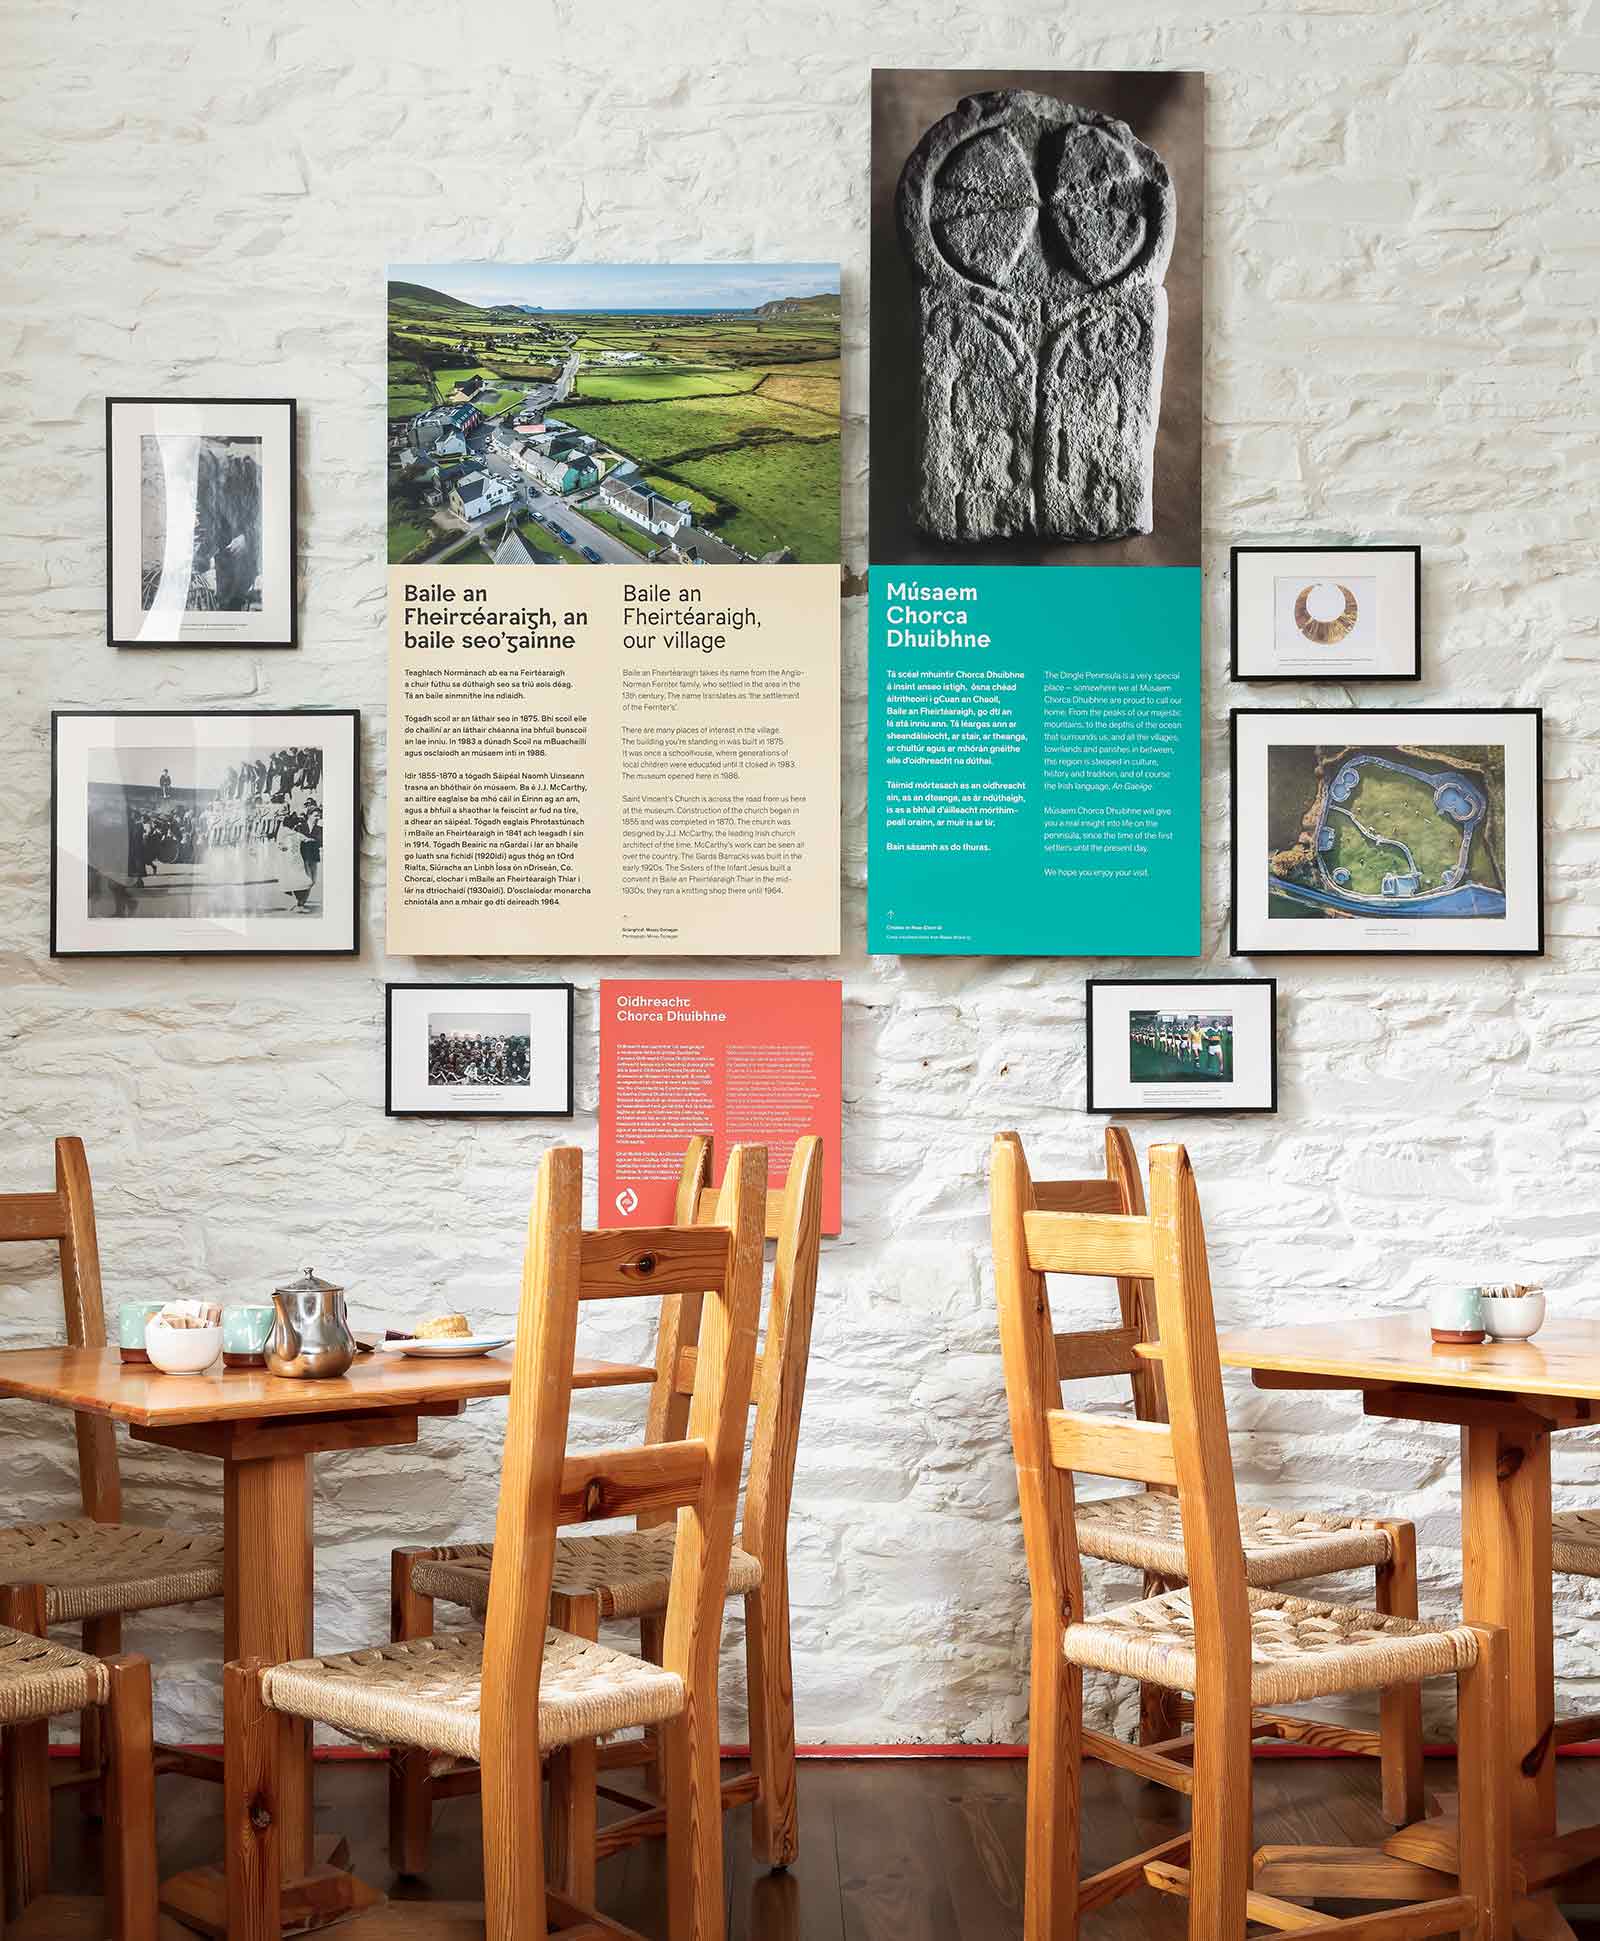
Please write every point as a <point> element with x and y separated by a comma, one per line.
<point>1034,761</point>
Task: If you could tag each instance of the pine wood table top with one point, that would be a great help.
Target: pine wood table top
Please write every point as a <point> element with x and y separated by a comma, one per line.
<point>1380,1351</point>
<point>98,1381</point>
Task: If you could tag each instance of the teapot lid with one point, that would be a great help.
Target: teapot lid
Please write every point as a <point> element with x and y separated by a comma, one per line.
<point>309,1283</point>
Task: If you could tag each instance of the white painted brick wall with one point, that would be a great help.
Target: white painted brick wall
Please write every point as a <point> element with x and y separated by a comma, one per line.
<point>1404,273</point>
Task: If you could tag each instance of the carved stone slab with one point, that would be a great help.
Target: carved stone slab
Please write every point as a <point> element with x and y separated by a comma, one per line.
<point>1039,235</point>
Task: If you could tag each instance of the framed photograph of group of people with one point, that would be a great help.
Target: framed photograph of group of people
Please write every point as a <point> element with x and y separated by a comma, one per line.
<point>217,831</point>
<point>479,1050</point>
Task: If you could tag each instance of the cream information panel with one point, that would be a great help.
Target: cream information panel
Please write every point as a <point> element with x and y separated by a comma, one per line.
<point>614,761</point>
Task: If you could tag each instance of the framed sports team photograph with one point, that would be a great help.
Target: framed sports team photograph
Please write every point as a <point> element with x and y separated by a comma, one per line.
<point>1409,831</point>
<point>200,522</point>
<point>1196,1045</point>
<point>1326,613</point>
<point>475,1051</point>
<point>214,832</point>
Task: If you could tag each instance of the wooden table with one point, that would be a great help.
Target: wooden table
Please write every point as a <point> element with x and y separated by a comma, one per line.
<point>1507,1398</point>
<point>264,1431</point>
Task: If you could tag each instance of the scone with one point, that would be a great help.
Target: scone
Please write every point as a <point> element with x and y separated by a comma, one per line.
<point>439,1327</point>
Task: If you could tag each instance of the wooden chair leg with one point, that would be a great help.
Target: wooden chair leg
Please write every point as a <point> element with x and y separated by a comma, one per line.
<point>102,1638</point>
<point>774,1821</point>
<point>574,1778</point>
<point>1158,1720</point>
<point>652,1639</point>
<point>1400,1708</point>
<point>410,1781</point>
<point>132,1885</point>
<point>251,1831</point>
<point>1483,1732</point>
<point>514,1905</point>
<point>692,1790</point>
<point>1220,1861</point>
<point>1055,1769</point>
<point>25,1804</point>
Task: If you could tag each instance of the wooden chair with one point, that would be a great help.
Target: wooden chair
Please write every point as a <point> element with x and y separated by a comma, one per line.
<point>504,1696</point>
<point>1234,1648</point>
<point>1145,1531</point>
<point>38,1681</point>
<point>625,1574</point>
<point>92,1570</point>
<point>1575,1552</point>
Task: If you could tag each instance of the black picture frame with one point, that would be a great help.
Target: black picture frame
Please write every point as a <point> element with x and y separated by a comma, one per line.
<point>291,637</point>
<point>1201,1109</point>
<point>1235,553</point>
<point>350,715</point>
<point>1356,715</point>
<point>392,1111</point>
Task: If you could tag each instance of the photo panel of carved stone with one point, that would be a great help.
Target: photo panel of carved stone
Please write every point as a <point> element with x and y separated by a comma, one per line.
<point>1036,317</point>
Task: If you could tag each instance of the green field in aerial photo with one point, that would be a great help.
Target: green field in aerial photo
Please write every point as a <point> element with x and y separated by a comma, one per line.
<point>715,386</point>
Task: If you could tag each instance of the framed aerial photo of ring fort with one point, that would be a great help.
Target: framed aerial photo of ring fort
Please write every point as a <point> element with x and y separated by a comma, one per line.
<point>1326,613</point>
<point>1411,831</point>
<point>1187,1045</point>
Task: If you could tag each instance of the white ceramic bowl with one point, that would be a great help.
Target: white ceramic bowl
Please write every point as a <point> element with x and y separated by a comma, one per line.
<point>1513,1317</point>
<point>181,1351</point>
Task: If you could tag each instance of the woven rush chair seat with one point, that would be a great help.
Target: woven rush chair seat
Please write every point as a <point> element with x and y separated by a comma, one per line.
<point>98,1569</point>
<point>1298,1649</point>
<point>425,1692</point>
<point>1280,1546</point>
<point>39,1679</point>
<point>627,1572</point>
<point>1575,1542</point>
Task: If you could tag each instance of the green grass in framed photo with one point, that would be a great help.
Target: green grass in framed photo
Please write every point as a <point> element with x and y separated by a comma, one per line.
<point>1410,831</point>
<point>1326,613</point>
<point>1187,1045</point>
<point>200,518</point>
<point>215,832</point>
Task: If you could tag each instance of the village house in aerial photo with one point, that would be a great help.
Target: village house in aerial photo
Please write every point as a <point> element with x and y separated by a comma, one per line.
<point>613,413</point>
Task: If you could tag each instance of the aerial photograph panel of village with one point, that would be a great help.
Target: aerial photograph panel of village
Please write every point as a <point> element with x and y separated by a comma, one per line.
<point>594,414</point>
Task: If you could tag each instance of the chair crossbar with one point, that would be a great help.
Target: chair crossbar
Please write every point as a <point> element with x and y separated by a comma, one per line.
<point>619,1262</point>
<point>1115,1244</point>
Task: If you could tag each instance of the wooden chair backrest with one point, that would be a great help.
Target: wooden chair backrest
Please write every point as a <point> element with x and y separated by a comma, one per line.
<point>794,1221</point>
<point>67,1217</point>
<point>695,1474</point>
<point>1089,1352</point>
<point>1166,1247</point>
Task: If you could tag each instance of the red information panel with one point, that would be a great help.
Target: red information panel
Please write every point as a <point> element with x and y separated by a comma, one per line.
<point>754,1059</point>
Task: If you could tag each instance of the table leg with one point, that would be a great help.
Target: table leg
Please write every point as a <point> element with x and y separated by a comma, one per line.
<point>268,1601</point>
<point>268,1598</point>
<point>1506,1580</point>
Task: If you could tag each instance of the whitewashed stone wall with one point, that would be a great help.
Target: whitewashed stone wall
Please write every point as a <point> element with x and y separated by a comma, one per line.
<point>1403,281</point>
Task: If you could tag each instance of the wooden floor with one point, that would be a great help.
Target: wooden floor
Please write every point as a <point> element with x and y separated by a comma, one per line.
<point>924,1850</point>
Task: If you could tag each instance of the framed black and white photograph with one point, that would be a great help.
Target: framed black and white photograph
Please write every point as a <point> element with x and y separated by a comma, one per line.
<point>1326,613</point>
<point>219,832</point>
<point>1195,1045</point>
<point>200,521</point>
<point>1416,830</point>
<point>479,1051</point>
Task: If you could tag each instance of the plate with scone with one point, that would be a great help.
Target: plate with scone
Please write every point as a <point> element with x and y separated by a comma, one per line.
<point>445,1337</point>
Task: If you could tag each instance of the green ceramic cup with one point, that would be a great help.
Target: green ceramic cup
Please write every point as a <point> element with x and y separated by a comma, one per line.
<point>245,1328</point>
<point>1456,1315</point>
<point>131,1317</point>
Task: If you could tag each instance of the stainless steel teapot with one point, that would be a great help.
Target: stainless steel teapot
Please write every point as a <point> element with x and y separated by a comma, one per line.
<point>311,1336</point>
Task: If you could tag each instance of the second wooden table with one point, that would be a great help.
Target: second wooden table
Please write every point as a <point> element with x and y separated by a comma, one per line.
<point>1507,1398</point>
